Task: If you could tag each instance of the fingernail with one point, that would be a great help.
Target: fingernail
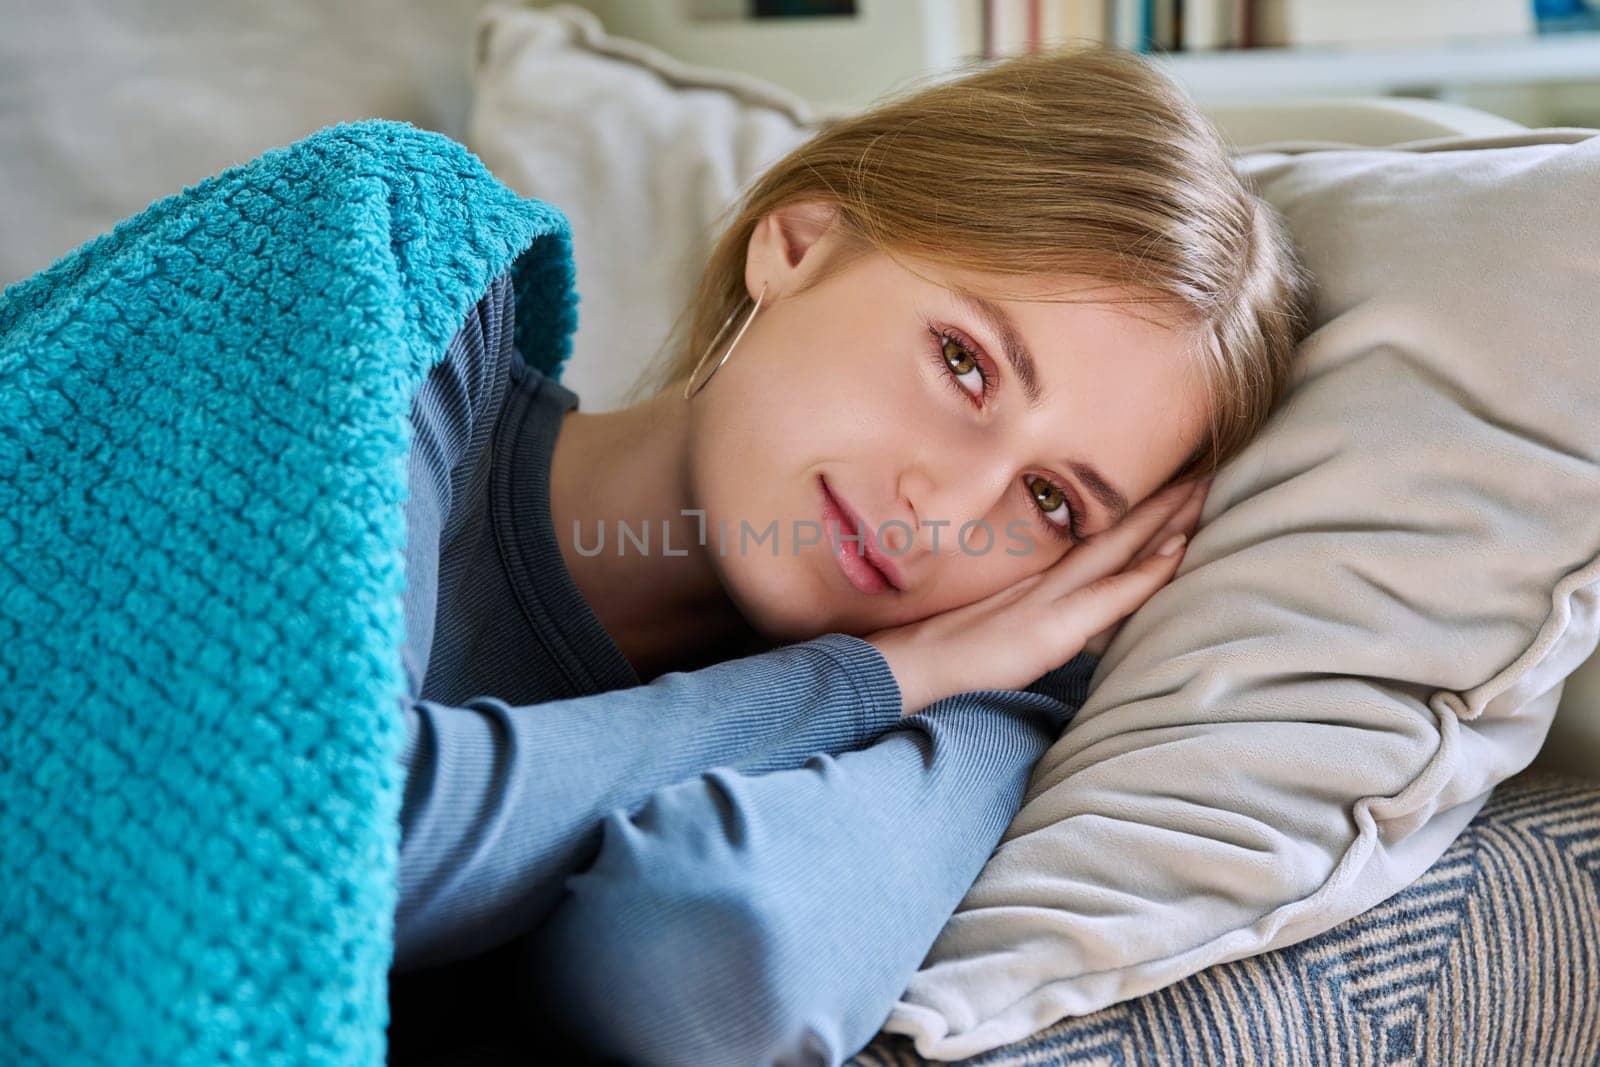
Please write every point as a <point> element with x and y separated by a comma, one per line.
<point>1170,546</point>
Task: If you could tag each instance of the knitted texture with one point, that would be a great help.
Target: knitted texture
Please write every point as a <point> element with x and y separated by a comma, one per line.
<point>204,432</point>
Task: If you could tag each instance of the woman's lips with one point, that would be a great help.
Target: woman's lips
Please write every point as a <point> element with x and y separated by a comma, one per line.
<point>861,570</point>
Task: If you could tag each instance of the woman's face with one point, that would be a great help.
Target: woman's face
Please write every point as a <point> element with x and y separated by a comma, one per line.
<point>872,383</point>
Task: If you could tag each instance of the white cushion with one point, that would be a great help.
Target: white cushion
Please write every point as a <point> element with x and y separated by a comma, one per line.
<point>110,104</point>
<point>1369,631</point>
<point>639,151</point>
<point>1371,627</point>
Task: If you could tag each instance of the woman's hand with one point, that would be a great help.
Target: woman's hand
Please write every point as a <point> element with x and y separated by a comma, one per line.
<point>1013,637</point>
<point>1184,520</point>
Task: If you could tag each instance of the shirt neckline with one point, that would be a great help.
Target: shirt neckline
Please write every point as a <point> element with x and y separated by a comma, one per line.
<point>519,500</point>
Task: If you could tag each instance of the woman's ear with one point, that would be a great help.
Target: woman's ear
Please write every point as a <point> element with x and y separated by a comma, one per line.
<point>784,247</point>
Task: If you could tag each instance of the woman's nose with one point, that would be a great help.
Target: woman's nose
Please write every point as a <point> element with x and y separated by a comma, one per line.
<point>939,508</point>
<point>897,538</point>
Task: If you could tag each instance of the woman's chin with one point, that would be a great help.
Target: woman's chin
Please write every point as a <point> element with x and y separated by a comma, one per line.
<point>780,625</point>
<point>775,604</point>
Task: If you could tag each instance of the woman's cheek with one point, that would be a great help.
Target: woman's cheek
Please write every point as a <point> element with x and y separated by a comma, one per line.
<point>1021,542</point>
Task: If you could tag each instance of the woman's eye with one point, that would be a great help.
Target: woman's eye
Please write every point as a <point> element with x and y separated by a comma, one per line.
<point>1048,498</point>
<point>961,365</point>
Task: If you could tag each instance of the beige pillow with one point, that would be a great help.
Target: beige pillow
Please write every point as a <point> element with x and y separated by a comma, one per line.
<point>106,105</point>
<point>1371,629</point>
<point>638,150</point>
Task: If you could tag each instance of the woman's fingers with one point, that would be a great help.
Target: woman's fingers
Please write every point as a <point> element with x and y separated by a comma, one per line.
<point>1183,521</point>
<point>1111,551</point>
<point>1191,497</point>
<point>1106,601</point>
<point>1015,634</point>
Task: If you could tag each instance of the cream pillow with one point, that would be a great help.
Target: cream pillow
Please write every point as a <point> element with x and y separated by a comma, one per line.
<point>106,105</point>
<point>638,150</point>
<point>1370,630</point>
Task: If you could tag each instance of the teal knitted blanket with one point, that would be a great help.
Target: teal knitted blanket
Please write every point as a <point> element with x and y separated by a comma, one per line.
<point>204,429</point>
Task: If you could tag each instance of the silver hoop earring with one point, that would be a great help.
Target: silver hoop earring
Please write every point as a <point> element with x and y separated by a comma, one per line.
<point>687,391</point>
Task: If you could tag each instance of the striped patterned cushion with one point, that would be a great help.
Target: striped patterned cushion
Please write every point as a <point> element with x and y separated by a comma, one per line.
<point>1492,956</point>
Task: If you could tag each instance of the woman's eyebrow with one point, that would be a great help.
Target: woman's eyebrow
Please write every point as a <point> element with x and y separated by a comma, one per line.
<point>1104,491</point>
<point>1011,343</point>
<point>1027,372</point>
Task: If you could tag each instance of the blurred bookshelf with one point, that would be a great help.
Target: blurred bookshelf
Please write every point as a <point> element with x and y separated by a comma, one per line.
<point>1421,69</point>
<point>1534,61</point>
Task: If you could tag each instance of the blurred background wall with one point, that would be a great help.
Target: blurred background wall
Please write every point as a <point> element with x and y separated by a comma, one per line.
<point>106,105</point>
<point>1534,61</point>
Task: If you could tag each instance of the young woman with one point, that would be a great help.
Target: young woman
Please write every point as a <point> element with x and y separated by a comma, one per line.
<point>956,369</point>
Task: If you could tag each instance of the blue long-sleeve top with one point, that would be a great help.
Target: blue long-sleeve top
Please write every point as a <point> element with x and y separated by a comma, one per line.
<point>742,864</point>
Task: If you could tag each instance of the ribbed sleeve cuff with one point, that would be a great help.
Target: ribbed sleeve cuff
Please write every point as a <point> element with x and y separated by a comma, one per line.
<point>879,692</point>
<point>853,699</point>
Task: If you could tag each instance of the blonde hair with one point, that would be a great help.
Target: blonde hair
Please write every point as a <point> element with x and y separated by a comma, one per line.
<point>1076,162</point>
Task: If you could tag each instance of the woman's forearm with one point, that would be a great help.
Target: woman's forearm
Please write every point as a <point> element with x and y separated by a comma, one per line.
<point>739,919</point>
<point>501,802</point>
